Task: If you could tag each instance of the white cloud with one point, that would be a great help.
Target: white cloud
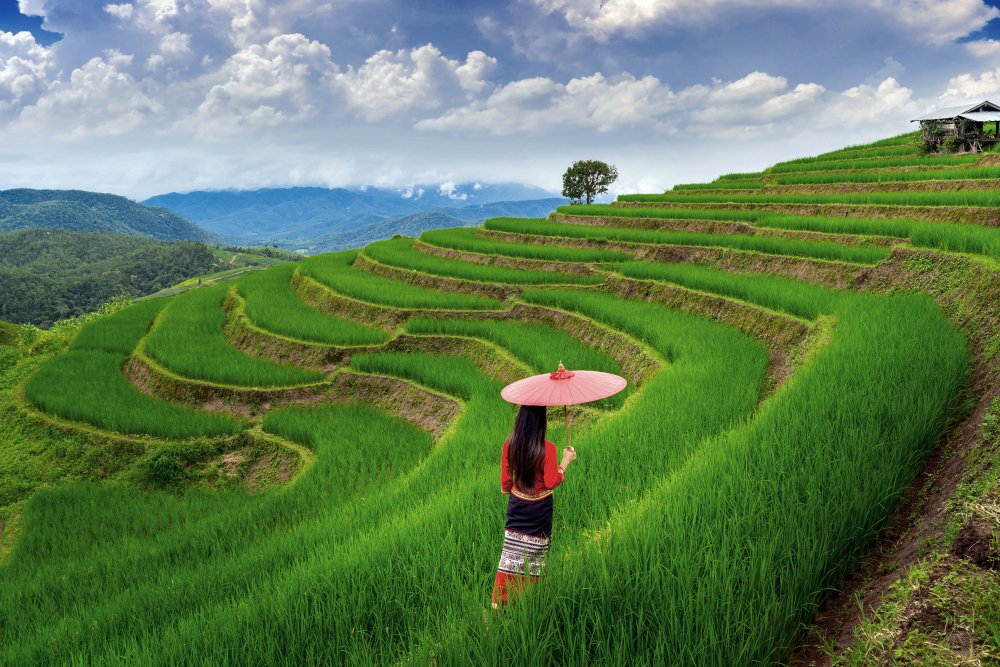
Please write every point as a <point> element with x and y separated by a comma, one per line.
<point>393,82</point>
<point>756,104</point>
<point>448,189</point>
<point>175,45</point>
<point>537,103</point>
<point>934,21</point>
<point>266,84</point>
<point>122,11</point>
<point>983,48</point>
<point>24,68</point>
<point>98,99</point>
<point>968,88</point>
<point>938,21</point>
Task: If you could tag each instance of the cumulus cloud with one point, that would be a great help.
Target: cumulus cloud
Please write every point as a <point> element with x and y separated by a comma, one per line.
<point>967,88</point>
<point>122,10</point>
<point>98,99</point>
<point>392,82</point>
<point>934,21</point>
<point>983,48</point>
<point>25,67</point>
<point>755,102</point>
<point>539,102</point>
<point>266,84</point>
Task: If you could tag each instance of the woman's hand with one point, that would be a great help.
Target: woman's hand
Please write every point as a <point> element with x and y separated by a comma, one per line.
<point>568,456</point>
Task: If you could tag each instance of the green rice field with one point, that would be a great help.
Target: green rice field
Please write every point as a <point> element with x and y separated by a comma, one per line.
<point>776,412</point>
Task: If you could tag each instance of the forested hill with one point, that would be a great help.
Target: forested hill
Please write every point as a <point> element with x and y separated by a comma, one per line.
<point>81,211</point>
<point>50,274</point>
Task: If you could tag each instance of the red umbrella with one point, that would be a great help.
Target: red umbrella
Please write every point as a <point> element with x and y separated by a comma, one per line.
<point>563,388</point>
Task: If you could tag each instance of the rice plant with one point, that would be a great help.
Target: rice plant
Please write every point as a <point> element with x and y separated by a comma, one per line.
<point>742,176</point>
<point>119,333</point>
<point>189,340</point>
<point>728,185</point>
<point>891,176</point>
<point>467,239</point>
<point>762,244</point>
<point>400,253</point>
<point>86,384</point>
<point>335,270</point>
<point>272,304</point>
<point>911,149</point>
<point>874,163</point>
<point>988,198</point>
<point>795,297</point>
<point>539,346</point>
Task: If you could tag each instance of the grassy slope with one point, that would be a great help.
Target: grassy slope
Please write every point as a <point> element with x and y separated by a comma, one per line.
<point>348,581</point>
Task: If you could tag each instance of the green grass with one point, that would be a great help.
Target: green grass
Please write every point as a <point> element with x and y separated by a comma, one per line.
<point>272,304</point>
<point>539,346</point>
<point>762,244</point>
<point>121,333</point>
<point>990,198</point>
<point>310,567</point>
<point>608,211</point>
<point>742,176</point>
<point>729,185</point>
<point>911,149</point>
<point>467,239</point>
<point>799,491</point>
<point>701,524</point>
<point>400,253</point>
<point>891,176</point>
<point>951,237</point>
<point>795,297</point>
<point>65,385</point>
<point>335,271</point>
<point>874,163</point>
<point>189,340</point>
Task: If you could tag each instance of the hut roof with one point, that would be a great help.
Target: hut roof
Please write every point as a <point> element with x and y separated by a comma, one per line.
<point>979,112</point>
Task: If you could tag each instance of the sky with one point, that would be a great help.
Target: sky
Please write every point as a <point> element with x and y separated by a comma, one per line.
<point>153,96</point>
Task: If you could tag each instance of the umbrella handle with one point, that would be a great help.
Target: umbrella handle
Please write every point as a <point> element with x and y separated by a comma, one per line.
<point>566,415</point>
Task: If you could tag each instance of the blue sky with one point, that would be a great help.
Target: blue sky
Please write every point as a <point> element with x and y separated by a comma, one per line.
<point>150,96</point>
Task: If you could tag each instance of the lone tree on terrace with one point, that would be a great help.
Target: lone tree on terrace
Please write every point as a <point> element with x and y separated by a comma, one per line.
<point>588,178</point>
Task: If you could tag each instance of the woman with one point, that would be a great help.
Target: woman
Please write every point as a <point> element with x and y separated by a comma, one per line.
<point>528,473</point>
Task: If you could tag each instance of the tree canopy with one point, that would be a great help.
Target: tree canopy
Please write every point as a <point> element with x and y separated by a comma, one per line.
<point>586,179</point>
<point>51,274</point>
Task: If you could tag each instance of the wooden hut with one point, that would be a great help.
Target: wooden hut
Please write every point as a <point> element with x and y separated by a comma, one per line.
<point>973,126</point>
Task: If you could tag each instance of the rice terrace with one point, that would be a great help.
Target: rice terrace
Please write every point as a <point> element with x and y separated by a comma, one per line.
<point>300,466</point>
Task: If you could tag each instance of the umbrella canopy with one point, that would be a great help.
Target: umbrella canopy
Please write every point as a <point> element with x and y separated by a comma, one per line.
<point>563,388</point>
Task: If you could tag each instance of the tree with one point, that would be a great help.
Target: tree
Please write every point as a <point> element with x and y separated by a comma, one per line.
<point>588,178</point>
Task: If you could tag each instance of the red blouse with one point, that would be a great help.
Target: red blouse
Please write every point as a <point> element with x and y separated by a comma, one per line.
<point>547,476</point>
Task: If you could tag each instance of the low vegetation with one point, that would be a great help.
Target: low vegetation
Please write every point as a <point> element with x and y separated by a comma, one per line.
<point>271,303</point>
<point>337,272</point>
<point>188,339</point>
<point>400,253</point>
<point>716,506</point>
<point>64,386</point>
<point>762,244</point>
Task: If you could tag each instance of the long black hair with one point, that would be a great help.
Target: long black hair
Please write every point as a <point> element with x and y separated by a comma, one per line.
<point>526,444</point>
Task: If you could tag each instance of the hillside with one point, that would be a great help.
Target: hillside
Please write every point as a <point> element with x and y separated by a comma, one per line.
<point>80,211</point>
<point>52,274</point>
<point>319,219</point>
<point>808,440</point>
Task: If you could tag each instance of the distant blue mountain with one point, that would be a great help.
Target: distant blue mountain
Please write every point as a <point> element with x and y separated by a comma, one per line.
<point>417,223</point>
<point>317,219</point>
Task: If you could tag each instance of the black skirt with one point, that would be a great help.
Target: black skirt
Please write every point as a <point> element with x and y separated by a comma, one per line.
<point>529,517</point>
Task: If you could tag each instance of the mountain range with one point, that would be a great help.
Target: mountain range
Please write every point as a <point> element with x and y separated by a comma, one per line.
<point>80,211</point>
<point>322,219</point>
